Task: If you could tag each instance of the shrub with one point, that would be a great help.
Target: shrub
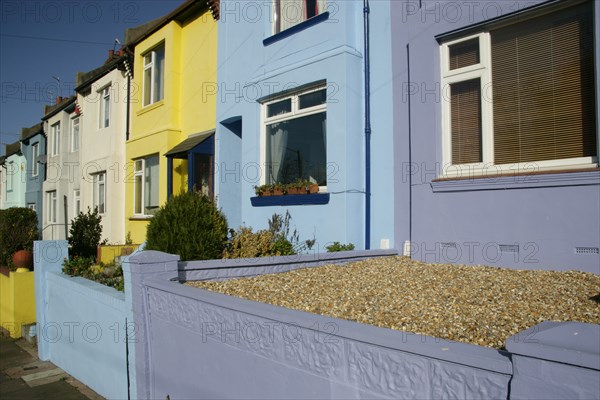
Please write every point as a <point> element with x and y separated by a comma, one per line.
<point>18,230</point>
<point>287,243</point>
<point>247,244</point>
<point>337,246</point>
<point>85,234</point>
<point>106,274</point>
<point>190,225</point>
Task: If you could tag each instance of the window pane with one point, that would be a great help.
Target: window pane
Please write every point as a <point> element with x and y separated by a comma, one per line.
<point>464,54</point>
<point>137,184</point>
<point>465,114</point>
<point>147,86</point>
<point>297,149</point>
<point>106,108</point>
<point>159,71</point>
<point>101,197</point>
<point>280,107</point>
<point>313,99</point>
<point>151,185</point>
<point>544,101</point>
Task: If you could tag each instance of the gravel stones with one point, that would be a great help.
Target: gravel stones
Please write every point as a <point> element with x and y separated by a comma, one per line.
<point>474,304</point>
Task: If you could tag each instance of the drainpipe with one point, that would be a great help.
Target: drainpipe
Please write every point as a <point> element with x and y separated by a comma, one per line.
<point>367,128</point>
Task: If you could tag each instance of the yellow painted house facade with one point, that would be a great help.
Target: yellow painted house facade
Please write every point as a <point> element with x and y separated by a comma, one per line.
<point>171,140</point>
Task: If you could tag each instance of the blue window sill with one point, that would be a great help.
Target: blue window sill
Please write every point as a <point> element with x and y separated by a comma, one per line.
<point>290,200</point>
<point>567,178</point>
<point>296,28</point>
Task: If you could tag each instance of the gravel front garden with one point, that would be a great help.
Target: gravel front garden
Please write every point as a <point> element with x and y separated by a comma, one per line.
<point>474,304</point>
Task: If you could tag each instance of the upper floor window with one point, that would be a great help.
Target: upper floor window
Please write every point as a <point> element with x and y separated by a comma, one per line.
<point>55,139</point>
<point>104,114</point>
<point>10,171</point>
<point>521,96</point>
<point>99,192</point>
<point>295,145</point>
<point>145,186</point>
<point>154,72</point>
<point>288,13</point>
<point>75,133</point>
<point>35,152</point>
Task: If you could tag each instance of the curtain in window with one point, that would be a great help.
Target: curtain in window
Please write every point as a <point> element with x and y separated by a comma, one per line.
<point>278,147</point>
<point>291,12</point>
<point>159,74</point>
<point>322,6</point>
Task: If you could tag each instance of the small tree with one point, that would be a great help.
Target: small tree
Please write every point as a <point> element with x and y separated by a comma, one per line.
<point>190,225</point>
<point>18,230</point>
<point>85,234</point>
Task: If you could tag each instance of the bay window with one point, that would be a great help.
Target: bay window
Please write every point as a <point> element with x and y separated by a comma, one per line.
<point>99,191</point>
<point>75,133</point>
<point>521,95</point>
<point>145,186</point>
<point>295,137</point>
<point>55,139</point>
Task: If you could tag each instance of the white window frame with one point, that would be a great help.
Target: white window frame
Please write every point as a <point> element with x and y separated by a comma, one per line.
<point>139,168</point>
<point>75,138</point>
<point>55,139</point>
<point>104,107</point>
<point>32,206</point>
<point>51,207</point>
<point>483,71</point>
<point>99,196</point>
<point>154,70</point>
<point>295,112</point>
<point>35,152</point>
<point>76,202</point>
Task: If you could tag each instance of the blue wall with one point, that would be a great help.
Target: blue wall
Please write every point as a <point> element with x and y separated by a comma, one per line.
<point>331,50</point>
<point>546,216</point>
<point>80,324</point>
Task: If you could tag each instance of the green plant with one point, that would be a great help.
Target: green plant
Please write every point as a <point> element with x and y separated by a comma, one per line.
<point>280,227</point>
<point>85,234</point>
<point>337,246</point>
<point>128,240</point>
<point>108,274</point>
<point>190,225</point>
<point>247,244</point>
<point>18,230</point>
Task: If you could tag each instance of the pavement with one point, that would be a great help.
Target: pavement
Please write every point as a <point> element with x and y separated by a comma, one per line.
<point>24,376</point>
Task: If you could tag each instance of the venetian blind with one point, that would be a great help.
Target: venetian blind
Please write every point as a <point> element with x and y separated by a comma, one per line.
<point>464,54</point>
<point>543,85</point>
<point>465,121</point>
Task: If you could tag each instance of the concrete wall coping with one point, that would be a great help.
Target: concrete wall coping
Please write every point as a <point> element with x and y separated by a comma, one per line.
<point>341,256</point>
<point>151,257</point>
<point>444,350</point>
<point>575,343</point>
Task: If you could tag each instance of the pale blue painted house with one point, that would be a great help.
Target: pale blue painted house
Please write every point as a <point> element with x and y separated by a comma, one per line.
<point>33,146</point>
<point>291,103</point>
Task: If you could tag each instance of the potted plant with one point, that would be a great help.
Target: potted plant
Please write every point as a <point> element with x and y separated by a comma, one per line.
<point>18,230</point>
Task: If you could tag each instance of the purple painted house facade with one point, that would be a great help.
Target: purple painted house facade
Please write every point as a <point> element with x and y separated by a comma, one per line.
<point>495,132</point>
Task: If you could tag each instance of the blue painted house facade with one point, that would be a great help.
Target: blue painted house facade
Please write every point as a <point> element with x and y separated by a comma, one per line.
<point>33,146</point>
<point>495,132</point>
<point>291,105</point>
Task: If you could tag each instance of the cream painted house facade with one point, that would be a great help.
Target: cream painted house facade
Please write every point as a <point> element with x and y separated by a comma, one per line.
<point>102,101</point>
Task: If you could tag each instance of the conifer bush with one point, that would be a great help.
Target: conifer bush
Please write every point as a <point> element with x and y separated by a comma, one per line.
<point>190,225</point>
<point>85,234</point>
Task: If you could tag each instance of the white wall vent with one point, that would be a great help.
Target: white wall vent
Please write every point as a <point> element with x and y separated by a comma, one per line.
<point>586,250</point>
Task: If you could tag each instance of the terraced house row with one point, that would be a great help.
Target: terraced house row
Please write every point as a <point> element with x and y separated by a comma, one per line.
<point>466,135</point>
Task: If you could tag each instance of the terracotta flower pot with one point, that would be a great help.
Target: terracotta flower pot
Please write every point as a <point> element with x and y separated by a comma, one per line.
<point>23,259</point>
<point>314,188</point>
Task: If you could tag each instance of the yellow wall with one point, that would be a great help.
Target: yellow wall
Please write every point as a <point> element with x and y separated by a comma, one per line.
<point>17,301</point>
<point>190,64</point>
<point>107,254</point>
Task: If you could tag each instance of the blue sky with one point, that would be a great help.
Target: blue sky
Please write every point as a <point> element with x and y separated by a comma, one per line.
<point>44,40</point>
